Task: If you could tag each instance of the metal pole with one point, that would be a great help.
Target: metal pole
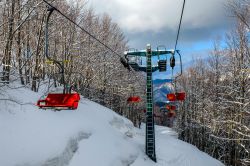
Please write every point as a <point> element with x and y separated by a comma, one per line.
<point>150,131</point>
<point>61,67</point>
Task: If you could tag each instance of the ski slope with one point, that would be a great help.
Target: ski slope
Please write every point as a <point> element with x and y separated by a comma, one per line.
<point>92,135</point>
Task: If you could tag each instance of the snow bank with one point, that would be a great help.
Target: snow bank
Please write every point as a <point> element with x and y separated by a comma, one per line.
<point>92,135</point>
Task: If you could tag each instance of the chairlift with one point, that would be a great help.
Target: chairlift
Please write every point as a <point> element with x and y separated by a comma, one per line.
<point>58,101</point>
<point>133,99</point>
<point>171,97</point>
<point>170,107</point>
<point>180,96</point>
<point>177,96</point>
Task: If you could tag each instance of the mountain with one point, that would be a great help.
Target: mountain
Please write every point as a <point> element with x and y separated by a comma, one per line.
<point>161,81</point>
<point>161,88</point>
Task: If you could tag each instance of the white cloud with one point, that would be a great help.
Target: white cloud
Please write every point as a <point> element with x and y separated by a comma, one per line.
<point>156,21</point>
<point>154,15</point>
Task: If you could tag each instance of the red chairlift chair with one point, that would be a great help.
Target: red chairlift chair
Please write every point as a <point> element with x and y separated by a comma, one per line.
<point>171,107</point>
<point>134,99</point>
<point>171,97</point>
<point>60,101</point>
<point>179,96</point>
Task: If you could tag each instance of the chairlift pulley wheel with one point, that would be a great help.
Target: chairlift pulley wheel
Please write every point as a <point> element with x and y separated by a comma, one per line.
<point>172,62</point>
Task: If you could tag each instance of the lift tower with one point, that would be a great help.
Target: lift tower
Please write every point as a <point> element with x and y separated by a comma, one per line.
<point>149,69</point>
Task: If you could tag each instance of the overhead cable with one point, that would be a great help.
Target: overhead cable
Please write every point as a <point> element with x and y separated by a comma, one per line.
<point>73,22</point>
<point>179,27</point>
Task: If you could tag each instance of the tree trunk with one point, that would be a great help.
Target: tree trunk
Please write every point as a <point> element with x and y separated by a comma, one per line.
<point>19,50</point>
<point>8,46</point>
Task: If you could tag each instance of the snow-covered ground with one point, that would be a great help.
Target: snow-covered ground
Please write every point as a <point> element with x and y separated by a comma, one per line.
<point>92,135</point>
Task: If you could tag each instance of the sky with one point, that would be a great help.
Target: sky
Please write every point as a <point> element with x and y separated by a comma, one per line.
<point>156,22</point>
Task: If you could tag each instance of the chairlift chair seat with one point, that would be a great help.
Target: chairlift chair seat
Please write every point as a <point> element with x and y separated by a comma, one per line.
<point>60,101</point>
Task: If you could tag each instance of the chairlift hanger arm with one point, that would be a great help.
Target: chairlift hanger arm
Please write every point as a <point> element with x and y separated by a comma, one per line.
<point>50,9</point>
<point>83,29</point>
<point>60,65</point>
<point>178,52</point>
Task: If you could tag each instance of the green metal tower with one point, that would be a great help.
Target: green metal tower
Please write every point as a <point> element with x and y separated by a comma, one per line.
<point>149,69</point>
<point>150,131</point>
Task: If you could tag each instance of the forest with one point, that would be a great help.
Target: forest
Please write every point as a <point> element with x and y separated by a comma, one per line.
<point>216,115</point>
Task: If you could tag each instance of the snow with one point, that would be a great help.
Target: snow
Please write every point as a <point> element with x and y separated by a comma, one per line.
<point>91,135</point>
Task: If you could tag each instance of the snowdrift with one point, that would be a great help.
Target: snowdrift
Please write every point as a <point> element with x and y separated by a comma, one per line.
<point>92,135</point>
